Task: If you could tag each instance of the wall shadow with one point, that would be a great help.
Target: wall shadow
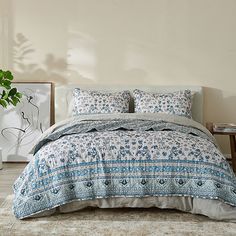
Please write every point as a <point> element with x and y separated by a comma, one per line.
<point>52,69</point>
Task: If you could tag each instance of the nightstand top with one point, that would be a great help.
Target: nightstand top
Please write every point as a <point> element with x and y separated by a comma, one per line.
<point>231,132</point>
<point>221,128</point>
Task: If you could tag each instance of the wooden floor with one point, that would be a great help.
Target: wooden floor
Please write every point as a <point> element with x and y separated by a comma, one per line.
<point>8,175</point>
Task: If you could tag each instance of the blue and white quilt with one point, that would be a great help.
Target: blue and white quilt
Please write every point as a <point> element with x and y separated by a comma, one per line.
<point>123,155</point>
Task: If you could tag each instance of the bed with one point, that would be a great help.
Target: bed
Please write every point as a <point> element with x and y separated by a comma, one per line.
<point>127,159</point>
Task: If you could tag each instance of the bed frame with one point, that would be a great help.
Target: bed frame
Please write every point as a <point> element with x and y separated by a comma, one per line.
<point>63,96</point>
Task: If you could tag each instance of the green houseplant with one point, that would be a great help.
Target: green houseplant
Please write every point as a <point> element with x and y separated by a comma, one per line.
<point>8,95</point>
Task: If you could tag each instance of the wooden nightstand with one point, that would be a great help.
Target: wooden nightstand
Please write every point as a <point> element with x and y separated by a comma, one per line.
<point>0,158</point>
<point>209,126</point>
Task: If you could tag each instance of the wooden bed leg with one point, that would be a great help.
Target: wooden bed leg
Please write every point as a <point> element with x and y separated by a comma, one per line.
<point>233,151</point>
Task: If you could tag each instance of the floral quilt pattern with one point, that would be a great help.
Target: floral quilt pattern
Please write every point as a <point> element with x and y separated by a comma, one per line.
<point>106,163</point>
<point>176,103</point>
<point>92,102</point>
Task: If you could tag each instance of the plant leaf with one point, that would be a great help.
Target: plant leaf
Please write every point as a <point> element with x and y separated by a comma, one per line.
<point>14,100</point>
<point>1,74</point>
<point>8,95</point>
<point>8,75</point>
<point>12,92</point>
<point>19,95</point>
<point>6,84</point>
<point>3,103</point>
<point>4,94</point>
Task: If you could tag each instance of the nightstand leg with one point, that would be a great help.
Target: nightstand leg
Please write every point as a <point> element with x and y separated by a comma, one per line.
<point>233,151</point>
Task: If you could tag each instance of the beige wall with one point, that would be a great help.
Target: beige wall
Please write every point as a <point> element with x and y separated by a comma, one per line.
<point>151,42</point>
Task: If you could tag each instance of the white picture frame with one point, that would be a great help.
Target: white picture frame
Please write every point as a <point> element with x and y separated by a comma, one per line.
<point>21,126</point>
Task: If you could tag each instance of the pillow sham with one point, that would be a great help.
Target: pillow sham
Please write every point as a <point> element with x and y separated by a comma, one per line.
<point>92,102</point>
<point>175,103</point>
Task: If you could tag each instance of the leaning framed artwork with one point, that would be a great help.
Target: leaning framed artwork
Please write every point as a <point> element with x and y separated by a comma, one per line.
<point>21,126</point>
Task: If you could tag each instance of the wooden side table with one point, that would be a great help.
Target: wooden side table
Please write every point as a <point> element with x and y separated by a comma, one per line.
<point>0,158</point>
<point>209,126</point>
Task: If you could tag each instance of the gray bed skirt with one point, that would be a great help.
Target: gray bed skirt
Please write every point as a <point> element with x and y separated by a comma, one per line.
<point>214,209</point>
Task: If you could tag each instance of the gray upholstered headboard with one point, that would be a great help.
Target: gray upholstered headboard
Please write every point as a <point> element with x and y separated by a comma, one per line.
<point>63,95</point>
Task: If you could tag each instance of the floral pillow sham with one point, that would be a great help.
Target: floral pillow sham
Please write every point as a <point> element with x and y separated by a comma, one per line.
<point>95,102</point>
<point>175,103</point>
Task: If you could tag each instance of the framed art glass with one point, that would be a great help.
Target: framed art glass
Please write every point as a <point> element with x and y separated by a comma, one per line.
<point>21,126</point>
